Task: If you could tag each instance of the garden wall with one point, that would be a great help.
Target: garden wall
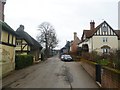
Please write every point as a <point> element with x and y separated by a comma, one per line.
<point>110,78</point>
<point>89,67</point>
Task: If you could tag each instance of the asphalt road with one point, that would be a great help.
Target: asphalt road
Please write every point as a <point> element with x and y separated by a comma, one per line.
<point>52,73</point>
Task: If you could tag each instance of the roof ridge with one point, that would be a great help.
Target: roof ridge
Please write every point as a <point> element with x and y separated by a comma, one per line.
<point>28,38</point>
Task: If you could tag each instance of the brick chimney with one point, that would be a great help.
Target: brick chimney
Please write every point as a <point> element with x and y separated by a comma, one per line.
<point>2,4</point>
<point>75,35</point>
<point>92,25</point>
<point>21,28</point>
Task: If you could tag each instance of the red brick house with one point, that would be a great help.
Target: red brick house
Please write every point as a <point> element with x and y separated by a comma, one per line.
<point>74,44</point>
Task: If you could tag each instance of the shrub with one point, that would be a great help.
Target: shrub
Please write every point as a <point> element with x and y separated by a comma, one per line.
<point>94,56</point>
<point>103,62</point>
<point>22,61</point>
<point>111,60</point>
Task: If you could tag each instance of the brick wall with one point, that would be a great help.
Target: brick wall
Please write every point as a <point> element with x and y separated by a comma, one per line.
<point>109,78</point>
<point>90,68</point>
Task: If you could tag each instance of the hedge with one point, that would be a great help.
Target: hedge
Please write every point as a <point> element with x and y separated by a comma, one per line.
<point>22,61</point>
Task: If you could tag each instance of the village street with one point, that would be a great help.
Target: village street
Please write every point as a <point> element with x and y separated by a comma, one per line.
<point>53,73</point>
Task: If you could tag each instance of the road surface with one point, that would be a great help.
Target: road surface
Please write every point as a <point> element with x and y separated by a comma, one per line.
<point>52,73</point>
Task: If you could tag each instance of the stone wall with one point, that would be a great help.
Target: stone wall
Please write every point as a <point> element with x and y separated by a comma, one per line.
<point>7,62</point>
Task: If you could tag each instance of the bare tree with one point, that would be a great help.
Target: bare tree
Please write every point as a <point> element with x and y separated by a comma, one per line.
<point>47,36</point>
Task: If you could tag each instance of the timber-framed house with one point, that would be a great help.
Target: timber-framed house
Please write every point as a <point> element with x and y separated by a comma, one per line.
<point>103,38</point>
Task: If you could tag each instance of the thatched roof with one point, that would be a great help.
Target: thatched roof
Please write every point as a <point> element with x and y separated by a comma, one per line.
<point>7,28</point>
<point>30,40</point>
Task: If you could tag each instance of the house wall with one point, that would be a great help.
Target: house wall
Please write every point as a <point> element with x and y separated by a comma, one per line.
<point>89,42</point>
<point>7,52</point>
<point>36,54</point>
<point>4,36</point>
<point>74,46</point>
<point>7,62</point>
<point>98,42</point>
<point>26,48</point>
<point>119,44</point>
<point>18,47</point>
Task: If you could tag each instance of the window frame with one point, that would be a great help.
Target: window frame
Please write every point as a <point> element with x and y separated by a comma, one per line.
<point>105,39</point>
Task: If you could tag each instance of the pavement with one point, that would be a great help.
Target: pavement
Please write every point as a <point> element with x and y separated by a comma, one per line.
<point>52,73</point>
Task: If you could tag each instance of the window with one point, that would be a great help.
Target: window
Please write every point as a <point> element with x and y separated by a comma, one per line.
<point>18,43</point>
<point>106,50</point>
<point>105,39</point>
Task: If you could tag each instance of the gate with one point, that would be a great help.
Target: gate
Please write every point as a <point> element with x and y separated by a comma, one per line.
<point>98,73</point>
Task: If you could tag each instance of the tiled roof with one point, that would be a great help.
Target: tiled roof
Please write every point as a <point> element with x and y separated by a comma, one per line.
<point>88,33</point>
<point>118,33</point>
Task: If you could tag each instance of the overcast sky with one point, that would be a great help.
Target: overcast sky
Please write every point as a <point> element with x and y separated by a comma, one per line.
<point>67,16</point>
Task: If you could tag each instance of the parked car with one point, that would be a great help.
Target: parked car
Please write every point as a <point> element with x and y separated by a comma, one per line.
<point>66,58</point>
<point>62,57</point>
